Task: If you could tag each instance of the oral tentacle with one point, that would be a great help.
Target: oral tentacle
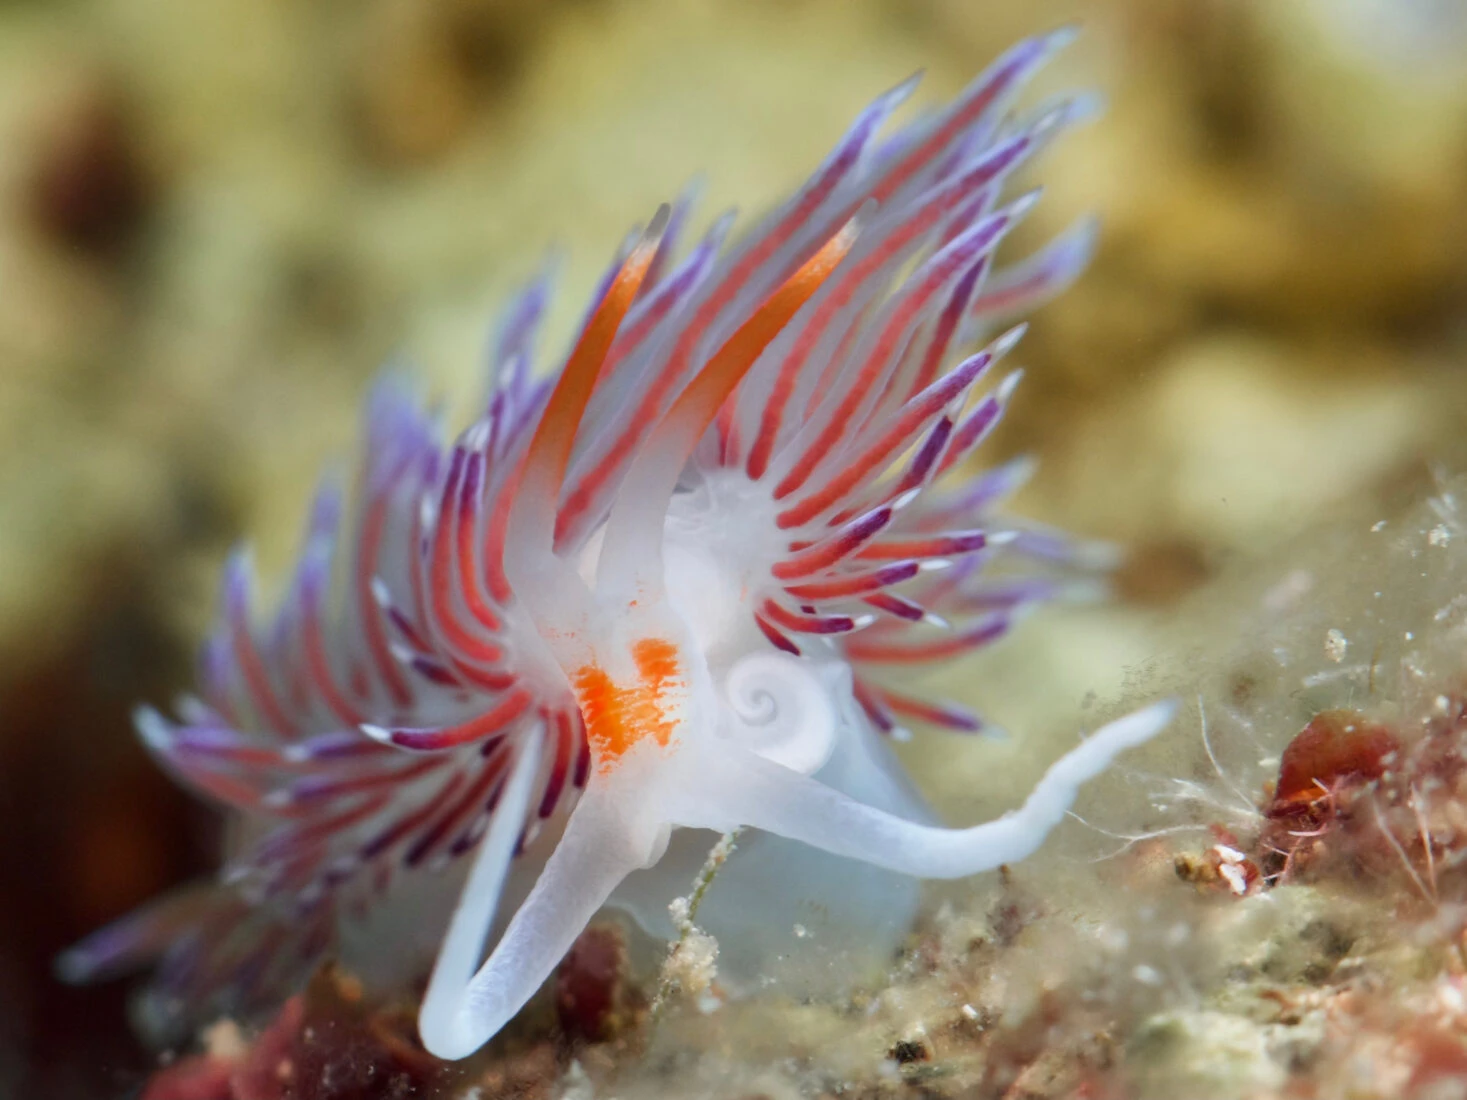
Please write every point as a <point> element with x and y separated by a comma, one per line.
<point>750,790</point>
<point>467,1003</point>
<point>444,1022</point>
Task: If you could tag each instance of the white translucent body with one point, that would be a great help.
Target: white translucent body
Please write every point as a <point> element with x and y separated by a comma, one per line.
<point>751,728</point>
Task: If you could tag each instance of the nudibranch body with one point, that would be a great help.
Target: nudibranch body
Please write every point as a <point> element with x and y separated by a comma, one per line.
<point>662,588</point>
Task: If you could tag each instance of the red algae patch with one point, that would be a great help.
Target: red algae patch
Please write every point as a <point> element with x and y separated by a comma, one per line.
<point>1337,747</point>
<point>594,995</point>
<point>325,1044</point>
<point>1358,802</point>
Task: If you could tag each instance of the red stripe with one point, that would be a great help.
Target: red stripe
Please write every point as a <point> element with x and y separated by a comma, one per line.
<point>441,574</point>
<point>948,715</point>
<point>911,419</point>
<point>806,624</point>
<point>465,527</point>
<point>896,605</point>
<point>247,656</point>
<point>542,475</point>
<point>947,326</point>
<point>316,661</point>
<point>939,271</point>
<point>842,292</point>
<point>314,790</point>
<point>470,802</point>
<point>580,500</point>
<point>776,637</point>
<point>950,645</point>
<point>410,820</point>
<point>446,737</point>
<point>848,540</point>
<point>972,432</point>
<point>938,546</point>
<point>1007,72</point>
<point>871,703</point>
<point>855,584</point>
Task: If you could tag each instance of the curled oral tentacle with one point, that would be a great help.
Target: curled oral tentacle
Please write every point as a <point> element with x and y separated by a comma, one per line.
<point>780,708</point>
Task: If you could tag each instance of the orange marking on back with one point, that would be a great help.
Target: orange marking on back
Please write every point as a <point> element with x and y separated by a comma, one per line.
<point>619,716</point>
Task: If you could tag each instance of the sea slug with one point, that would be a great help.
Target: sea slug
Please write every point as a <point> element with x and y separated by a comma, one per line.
<point>661,586</point>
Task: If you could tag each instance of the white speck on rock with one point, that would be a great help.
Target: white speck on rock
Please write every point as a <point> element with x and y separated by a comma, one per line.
<point>575,1085</point>
<point>1147,975</point>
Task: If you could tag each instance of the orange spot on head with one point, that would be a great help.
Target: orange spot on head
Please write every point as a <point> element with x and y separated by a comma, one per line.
<point>618,716</point>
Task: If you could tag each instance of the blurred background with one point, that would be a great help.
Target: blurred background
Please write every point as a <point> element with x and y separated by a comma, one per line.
<point>217,220</point>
